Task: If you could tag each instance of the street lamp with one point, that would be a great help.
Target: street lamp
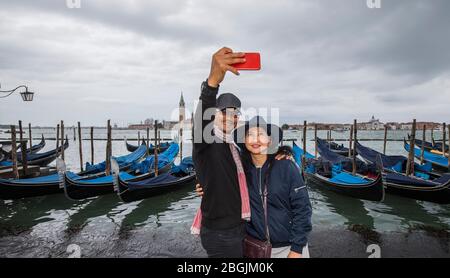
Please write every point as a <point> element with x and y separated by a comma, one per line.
<point>26,96</point>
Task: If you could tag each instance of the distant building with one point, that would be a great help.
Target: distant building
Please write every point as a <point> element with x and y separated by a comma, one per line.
<point>372,124</point>
<point>140,126</point>
<point>169,124</point>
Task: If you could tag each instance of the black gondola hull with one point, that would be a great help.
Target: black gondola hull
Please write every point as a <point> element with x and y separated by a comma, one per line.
<point>437,194</point>
<point>373,191</point>
<point>77,190</point>
<point>134,195</point>
<point>11,191</point>
<point>132,148</point>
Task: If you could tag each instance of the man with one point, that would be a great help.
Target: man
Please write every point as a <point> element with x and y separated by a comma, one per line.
<point>225,203</point>
<point>222,227</point>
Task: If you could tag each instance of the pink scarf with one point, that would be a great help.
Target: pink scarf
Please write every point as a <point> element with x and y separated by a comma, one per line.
<point>245,200</point>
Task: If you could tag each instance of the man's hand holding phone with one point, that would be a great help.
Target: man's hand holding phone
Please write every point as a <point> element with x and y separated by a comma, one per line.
<point>226,60</point>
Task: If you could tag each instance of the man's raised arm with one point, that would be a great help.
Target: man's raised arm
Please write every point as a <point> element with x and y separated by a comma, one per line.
<point>222,62</point>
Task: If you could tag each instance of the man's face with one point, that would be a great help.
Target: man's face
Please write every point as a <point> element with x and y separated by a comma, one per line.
<point>227,119</point>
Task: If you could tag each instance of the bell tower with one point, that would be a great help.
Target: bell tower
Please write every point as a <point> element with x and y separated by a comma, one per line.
<point>182,110</point>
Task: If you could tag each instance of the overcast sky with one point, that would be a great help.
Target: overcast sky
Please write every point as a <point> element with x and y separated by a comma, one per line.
<point>327,60</point>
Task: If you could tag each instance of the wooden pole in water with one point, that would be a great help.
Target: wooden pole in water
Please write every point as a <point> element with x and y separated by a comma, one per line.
<point>108,149</point>
<point>432,135</point>
<point>57,140</point>
<point>410,165</point>
<point>181,143</point>
<point>350,144</point>
<point>156,148</point>
<point>92,145</point>
<point>159,139</point>
<point>148,141</point>
<point>74,136</point>
<point>62,140</point>
<point>422,151</point>
<point>139,138</point>
<point>355,130</point>
<point>315,140</point>
<point>304,137</point>
<point>385,139</point>
<point>29,136</point>
<point>448,153</point>
<point>14,152</point>
<point>80,146</point>
<point>192,128</point>
<point>23,148</point>
<point>444,132</point>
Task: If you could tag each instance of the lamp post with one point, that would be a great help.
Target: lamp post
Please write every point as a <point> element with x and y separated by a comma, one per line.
<point>26,96</point>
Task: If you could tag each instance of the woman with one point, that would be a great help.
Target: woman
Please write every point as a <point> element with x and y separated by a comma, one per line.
<point>288,204</point>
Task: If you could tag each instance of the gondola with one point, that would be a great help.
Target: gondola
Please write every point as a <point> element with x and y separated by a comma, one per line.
<point>39,159</point>
<point>423,185</point>
<point>435,147</point>
<point>11,189</point>
<point>34,149</point>
<point>335,147</point>
<point>77,189</point>
<point>323,173</point>
<point>162,147</point>
<point>439,162</point>
<point>178,177</point>
<point>126,163</point>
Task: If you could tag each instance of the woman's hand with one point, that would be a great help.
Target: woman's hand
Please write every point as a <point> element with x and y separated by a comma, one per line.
<point>199,190</point>
<point>221,63</point>
<point>294,255</point>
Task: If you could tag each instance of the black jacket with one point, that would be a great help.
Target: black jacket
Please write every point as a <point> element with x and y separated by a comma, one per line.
<point>216,170</point>
<point>289,207</point>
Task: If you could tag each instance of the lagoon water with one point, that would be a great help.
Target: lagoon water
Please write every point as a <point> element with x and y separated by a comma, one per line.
<point>52,226</point>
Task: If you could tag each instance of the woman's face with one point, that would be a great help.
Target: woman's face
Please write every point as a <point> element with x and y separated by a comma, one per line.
<point>257,141</point>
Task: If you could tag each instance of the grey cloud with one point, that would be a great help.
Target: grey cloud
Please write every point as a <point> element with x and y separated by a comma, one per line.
<point>322,60</point>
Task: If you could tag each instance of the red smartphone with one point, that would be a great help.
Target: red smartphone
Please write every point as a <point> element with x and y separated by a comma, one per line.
<point>253,62</point>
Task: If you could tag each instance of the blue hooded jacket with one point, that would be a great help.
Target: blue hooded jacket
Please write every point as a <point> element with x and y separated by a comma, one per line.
<point>289,208</point>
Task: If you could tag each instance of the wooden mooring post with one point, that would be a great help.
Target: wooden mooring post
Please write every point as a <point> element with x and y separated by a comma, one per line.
<point>350,142</point>
<point>80,143</point>
<point>432,135</point>
<point>92,145</point>
<point>62,140</point>
<point>315,140</point>
<point>410,164</point>
<point>23,148</point>
<point>14,152</point>
<point>192,129</point>
<point>385,138</point>
<point>108,149</point>
<point>422,149</point>
<point>74,135</point>
<point>148,142</point>
<point>304,137</point>
<point>29,136</point>
<point>444,132</point>
<point>448,152</point>
<point>181,143</point>
<point>57,140</point>
<point>355,130</point>
<point>155,153</point>
<point>304,146</point>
